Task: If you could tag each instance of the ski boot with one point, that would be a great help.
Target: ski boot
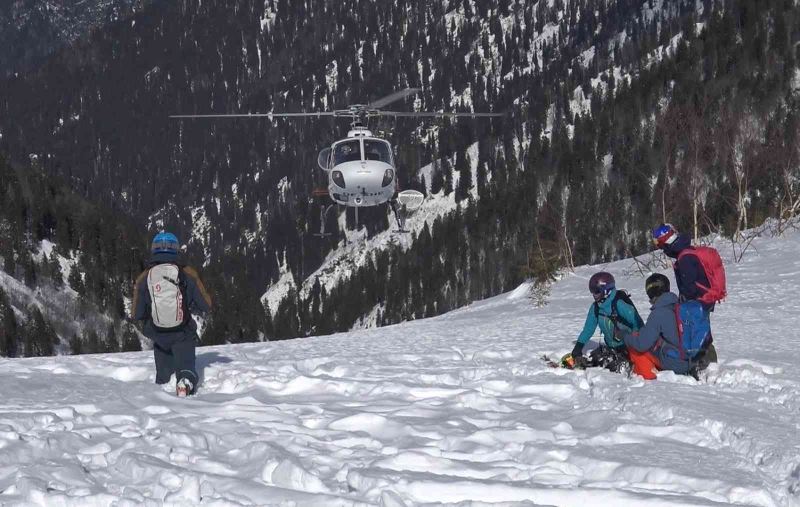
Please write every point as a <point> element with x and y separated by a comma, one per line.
<point>704,358</point>
<point>183,388</point>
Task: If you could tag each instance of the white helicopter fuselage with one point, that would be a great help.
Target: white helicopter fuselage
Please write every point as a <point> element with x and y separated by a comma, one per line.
<point>365,183</point>
<point>360,170</point>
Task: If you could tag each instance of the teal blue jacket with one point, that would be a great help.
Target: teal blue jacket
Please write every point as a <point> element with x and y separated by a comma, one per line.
<point>626,321</point>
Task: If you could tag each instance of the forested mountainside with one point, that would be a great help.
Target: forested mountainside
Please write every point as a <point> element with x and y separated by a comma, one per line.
<point>620,114</point>
<point>32,30</point>
<point>66,271</point>
<point>64,267</point>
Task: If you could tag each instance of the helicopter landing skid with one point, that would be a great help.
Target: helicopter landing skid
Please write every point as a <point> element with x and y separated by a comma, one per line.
<point>400,214</point>
<point>323,213</point>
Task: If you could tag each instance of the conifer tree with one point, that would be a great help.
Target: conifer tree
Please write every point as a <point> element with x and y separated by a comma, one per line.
<point>9,260</point>
<point>130,339</point>
<point>76,281</point>
<point>269,331</point>
<point>110,343</point>
<point>464,175</point>
<point>55,273</point>
<point>91,342</point>
<point>8,327</point>
<point>437,177</point>
<point>40,338</point>
<point>29,269</point>
<point>75,345</point>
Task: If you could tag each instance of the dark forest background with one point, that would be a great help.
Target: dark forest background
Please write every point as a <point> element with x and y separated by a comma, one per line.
<point>620,114</point>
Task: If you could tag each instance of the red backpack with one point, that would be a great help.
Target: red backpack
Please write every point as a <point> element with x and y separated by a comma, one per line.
<point>715,272</point>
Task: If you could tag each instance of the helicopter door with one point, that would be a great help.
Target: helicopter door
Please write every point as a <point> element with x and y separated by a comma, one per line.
<point>323,159</point>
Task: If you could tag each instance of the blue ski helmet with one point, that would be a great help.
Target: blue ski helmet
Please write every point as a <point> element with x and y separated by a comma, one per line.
<point>601,284</point>
<point>165,242</point>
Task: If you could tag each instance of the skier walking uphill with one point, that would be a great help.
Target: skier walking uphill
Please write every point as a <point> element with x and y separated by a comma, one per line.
<point>698,272</point>
<point>163,297</point>
<point>611,309</point>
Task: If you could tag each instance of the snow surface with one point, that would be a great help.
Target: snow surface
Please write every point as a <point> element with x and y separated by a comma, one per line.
<point>457,409</point>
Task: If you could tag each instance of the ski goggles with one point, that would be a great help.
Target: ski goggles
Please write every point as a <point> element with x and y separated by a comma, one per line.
<point>601,294</point>
<point>164,246</point>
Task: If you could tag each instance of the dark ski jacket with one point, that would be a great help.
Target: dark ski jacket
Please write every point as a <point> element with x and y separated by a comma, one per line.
<point>659,335</point>
<point>197,299</point>
<point>688,270</point>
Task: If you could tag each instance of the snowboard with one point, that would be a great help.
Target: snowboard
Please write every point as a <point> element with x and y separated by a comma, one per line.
<point>623,369</point>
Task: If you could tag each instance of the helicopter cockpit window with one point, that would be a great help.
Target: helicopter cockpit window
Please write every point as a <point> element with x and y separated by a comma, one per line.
<point>347,151</point>
<point>377,150</point>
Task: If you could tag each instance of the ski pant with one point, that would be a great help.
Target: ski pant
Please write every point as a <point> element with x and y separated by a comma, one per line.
<point>174,353</point>
<point>644,363</point>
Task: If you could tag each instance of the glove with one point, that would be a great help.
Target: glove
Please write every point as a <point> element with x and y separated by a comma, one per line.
<point>573,362</point>
<point>619,333</point>
<point>568,361</point>
<point>575,358</point>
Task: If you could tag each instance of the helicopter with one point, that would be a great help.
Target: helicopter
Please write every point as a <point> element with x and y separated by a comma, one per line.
<point>361,168</point>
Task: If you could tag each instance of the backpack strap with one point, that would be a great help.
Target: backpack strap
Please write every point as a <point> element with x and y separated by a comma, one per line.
<point>185,303</point>
<point>615,316</point>
<point>621,294</point>
<point>679,322</point>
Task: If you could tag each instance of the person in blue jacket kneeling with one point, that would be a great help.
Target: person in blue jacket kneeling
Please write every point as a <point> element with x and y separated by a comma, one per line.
<point>656,346</point>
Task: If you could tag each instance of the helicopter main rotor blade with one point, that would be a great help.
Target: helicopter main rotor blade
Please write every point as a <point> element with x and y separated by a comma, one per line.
<point>431,114</point>
<point>256,115</point>
<point>392,98</point>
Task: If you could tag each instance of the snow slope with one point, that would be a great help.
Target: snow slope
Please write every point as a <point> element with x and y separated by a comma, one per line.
<point>457,409</point>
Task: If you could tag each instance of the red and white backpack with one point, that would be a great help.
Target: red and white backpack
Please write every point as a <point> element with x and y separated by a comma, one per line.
<point>168,309</point>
